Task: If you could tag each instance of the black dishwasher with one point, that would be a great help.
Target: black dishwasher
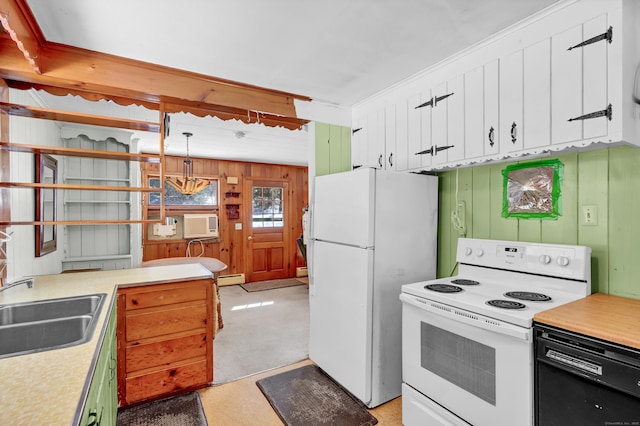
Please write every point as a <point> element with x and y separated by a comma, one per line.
<point>582,381</point>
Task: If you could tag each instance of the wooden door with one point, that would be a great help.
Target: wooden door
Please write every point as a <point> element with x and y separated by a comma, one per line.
<point>267,225</point>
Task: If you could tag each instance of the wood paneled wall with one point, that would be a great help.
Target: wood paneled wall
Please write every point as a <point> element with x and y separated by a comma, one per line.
<point>232,245</point>
<point>606,178</point>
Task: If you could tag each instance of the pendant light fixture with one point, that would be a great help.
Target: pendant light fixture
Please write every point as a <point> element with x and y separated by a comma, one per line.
<point>187,184</point>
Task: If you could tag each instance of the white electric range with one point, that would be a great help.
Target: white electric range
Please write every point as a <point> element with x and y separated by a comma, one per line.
<point>467,340</point>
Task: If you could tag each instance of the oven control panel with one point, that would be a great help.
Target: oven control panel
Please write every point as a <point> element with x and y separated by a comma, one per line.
<point>545,259</point>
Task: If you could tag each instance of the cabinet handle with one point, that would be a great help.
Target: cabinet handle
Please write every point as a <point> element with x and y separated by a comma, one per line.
<point>604,36</point>
<point>380,161</point>
<point>356,166</point>
<point>92,419</point>
<point>491,136</point>
<point>391,159</point>
<point>514,133</point>
<point>607,112</point>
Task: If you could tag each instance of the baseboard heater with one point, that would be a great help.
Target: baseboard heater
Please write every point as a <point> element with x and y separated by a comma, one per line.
<point>231,279</point>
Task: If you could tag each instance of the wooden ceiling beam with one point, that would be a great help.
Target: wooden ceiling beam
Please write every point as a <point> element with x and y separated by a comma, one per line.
<point>60,68</point>
<point>17,21</point>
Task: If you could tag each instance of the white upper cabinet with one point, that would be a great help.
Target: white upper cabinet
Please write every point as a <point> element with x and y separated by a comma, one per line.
<point>536,95</point>
<point>511,103</point>
<point>564,78</point>
<point>491,110</point>
<point>579,75</point>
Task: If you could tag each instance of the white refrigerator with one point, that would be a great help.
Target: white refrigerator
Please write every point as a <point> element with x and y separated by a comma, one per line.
<point>372,232</point>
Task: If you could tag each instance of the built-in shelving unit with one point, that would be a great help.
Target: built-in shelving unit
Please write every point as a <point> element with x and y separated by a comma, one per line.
<point>110,184</point>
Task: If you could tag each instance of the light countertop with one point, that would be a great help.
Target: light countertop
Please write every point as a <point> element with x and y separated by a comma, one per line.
<point>612,318</point>
<point>50,387</point>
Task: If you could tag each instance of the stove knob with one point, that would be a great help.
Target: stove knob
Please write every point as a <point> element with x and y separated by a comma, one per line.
<point>468,251</point>
<point>545,259</point>
<point>563,261</point>
<point>479,252</point>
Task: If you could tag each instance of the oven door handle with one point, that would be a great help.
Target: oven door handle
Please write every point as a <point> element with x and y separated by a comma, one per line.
<point>469,318</point>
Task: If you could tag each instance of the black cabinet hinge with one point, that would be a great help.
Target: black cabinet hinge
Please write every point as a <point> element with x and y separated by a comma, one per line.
<point>434,101</point>
<point>354,131</point>
<point>607,112</point>
<point>434,150</point>
<point>604,36</point>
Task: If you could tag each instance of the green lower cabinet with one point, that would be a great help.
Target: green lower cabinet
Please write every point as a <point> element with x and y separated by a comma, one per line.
<point>102,402</point>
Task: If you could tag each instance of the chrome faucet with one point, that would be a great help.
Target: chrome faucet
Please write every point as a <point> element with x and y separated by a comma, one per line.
<point>27,281</point>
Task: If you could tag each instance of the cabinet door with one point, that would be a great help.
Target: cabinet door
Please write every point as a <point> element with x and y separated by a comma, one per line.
<point>390,137</point>
<point>402,135</point>
<point>358,148</point>
<point>474,138</point>
<point>375,139</point>
<point>425,130</point>
<point>491,135</point>
<point>580,78</point>
<point>455,120</point>
<point>414,134</point>
<point>594,70</point>
<point>566,95</point>
<point>439,126</point>
<point>536,130</point>
<point>511,103</point>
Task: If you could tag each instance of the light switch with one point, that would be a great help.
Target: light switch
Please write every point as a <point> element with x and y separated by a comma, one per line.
<point>238,226</point>
<point>589,215</point>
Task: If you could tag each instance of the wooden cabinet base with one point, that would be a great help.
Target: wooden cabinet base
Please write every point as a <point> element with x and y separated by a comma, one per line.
<point>173,379</point>
<point>165,339</point>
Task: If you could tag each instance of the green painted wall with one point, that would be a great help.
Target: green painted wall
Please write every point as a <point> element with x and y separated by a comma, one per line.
<point>607,178</point>
<point>333,149</point>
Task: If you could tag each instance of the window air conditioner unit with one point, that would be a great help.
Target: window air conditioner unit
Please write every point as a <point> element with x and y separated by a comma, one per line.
<point>200,226</point>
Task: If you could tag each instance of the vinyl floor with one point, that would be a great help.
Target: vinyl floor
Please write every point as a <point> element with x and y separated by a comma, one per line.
<point>241,403</point>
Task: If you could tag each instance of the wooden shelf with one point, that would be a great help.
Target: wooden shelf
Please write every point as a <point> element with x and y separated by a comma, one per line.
<point>96,202</point>
<point>73,152</point>
<point>76,117</point>
<point>79,222</point>
<point>78,187</point>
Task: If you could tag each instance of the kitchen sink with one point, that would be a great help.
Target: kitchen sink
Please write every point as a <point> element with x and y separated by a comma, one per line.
<point>50,309</point>
<point>49,324</point>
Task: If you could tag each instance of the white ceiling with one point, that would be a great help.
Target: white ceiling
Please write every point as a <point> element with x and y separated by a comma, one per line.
<point>334,51</point>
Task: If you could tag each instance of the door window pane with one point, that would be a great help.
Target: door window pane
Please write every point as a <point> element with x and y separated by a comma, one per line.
<point>267,207</point>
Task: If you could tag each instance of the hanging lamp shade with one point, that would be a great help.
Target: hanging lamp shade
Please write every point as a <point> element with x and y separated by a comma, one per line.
<point>187,184</point>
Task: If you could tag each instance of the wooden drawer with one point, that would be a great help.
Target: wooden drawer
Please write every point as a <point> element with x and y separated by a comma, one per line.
<point>166,294</point>
<point>164,352</point>
<point>167,321</point>
<point>166,381</point>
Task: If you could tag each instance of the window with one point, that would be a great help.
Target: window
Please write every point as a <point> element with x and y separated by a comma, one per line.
<point>206,197</point>
<point>267,206</point>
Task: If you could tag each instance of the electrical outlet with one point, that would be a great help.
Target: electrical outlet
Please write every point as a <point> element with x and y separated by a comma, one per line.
<point>589,215</point>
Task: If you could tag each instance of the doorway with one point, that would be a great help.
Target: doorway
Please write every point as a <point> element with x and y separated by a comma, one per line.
<point>267,221</point>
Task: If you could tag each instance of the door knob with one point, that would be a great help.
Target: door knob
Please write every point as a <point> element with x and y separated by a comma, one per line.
<point>249,237</point>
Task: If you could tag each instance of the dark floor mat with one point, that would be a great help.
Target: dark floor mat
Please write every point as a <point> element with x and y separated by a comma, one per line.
<point>181,410</point>
<point>308,396</point>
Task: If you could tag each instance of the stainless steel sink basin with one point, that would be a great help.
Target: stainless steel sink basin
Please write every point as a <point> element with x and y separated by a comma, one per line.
<point>46,325</point>
<point>50,309</point>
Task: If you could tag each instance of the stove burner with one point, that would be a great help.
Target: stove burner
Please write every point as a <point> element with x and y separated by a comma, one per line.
<point>443,288</point>
<point>460,281</point>
<point>530,296</point>
<point>506,304</point>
